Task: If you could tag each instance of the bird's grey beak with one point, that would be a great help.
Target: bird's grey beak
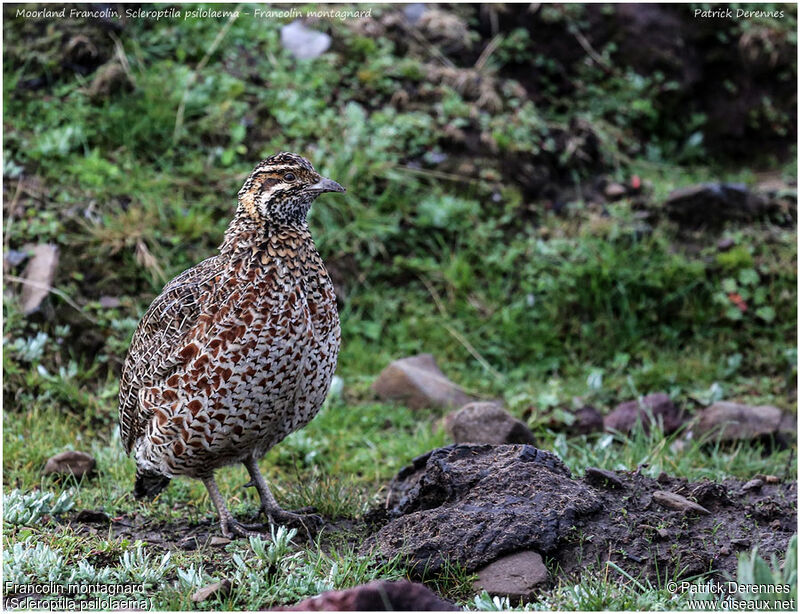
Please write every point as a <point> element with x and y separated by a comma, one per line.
<point>326,185</point>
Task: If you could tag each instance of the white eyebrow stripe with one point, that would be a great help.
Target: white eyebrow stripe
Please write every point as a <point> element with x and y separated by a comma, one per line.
<point>283,167</point>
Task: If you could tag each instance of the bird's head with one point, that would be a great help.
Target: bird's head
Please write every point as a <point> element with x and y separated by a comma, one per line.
<point>281,188</point>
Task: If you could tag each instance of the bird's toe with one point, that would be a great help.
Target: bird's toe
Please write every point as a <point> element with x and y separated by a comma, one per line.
<point>233,529</point>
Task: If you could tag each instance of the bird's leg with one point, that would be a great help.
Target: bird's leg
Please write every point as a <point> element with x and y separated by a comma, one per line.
<point>269,506</point>
<point>230,527</point>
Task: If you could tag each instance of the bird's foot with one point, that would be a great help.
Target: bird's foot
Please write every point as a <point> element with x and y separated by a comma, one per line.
<point>233,528</point>
<point>305,518</point>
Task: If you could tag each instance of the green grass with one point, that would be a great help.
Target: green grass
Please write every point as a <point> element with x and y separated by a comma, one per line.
<point>549,311</point>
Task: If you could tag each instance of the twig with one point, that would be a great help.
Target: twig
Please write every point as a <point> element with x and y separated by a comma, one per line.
<point>123,59</point>
<point>193,77</point>
<point>55,291</point>
<point>431,48</point>
<point>587,47</point>
<point>487,52</point>
<point>11,206</point>
<point>437,174</point>
<point>458,336</point>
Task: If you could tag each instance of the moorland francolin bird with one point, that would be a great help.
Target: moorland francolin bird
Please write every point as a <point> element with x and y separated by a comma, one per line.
<point>238,351</point>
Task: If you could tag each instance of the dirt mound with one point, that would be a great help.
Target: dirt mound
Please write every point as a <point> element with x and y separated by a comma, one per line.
<point>491,499</point>
<point>472,504</point>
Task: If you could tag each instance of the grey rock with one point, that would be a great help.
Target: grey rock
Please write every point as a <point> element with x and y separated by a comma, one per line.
<point>735,421</point>
<point>38,275</point>
<point>493,500</point>
<point>516,576</point>
<point>615,190</point>
<point>486,422</point>
<point>302,42</point>
<point>219,589</point>
<point>70,462</point>
<point>15,257</point>
<point>418,382</point>
<point>109,302</point>
<point>414,11</point>
<point>674,501</point>
<point>377,596</point>
<point>659,405</point>
<point>754,484</point>
<point>218,540</point>
<point>725,244</point>
<point>602,478</point>
<point>587,420</point>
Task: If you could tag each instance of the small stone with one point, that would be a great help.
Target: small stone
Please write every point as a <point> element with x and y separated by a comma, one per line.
<point>70,462</point>
<point>418,382</point>
<point>728,421</point>
<point>615,190</point>
<point>38,275</point>
<point>741,542</point>
<point>768,479</point>
<point>516,576</point>
<point>603,478</point>
<point>109,302</point>
<point>15,257</point>
<point>414,11</point>
<point>377,596</point>
<point>625,416</point>
<point>663,534</point>
<point>676,502</point>
<point>725,244</point>
<point>218,589</point>
<point>302,42</point>
<point>217,540</point>
<point>93,517</point>
<point>724,551</point>
<point>776,525</point>
<point>587,420</point>
<point>435,157</point>
<point>486,422</point>
<point>754,484</point>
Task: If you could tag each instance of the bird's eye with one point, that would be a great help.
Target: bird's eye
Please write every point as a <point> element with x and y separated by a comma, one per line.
<point>289,177</point>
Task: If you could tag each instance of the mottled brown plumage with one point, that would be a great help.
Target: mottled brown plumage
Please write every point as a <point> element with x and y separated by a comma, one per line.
<point>238,351</point>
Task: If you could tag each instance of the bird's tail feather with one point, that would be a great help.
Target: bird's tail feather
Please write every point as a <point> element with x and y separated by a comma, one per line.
<point>148,483</point>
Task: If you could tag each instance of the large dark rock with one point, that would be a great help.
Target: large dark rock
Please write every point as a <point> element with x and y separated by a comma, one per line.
<point>476,503</point>
<point>711,204</point>
<point>71,462</point>
<point>378,596</point>
<point>587,420</point>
